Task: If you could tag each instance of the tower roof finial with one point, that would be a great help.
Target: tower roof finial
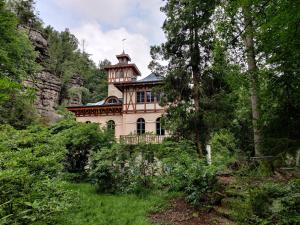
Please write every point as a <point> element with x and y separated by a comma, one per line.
<point>123,40</point>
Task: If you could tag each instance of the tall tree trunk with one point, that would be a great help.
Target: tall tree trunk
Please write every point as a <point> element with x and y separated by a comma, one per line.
<point>195,62</point>
<point>252,70</point>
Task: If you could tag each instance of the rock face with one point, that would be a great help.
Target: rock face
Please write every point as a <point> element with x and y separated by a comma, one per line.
<point>41,45</point>
<point>48,89</point>
<point>74,89</point>
<point>48,86</point>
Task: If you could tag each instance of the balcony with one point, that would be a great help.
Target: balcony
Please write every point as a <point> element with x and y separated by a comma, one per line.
<point>145,139</point>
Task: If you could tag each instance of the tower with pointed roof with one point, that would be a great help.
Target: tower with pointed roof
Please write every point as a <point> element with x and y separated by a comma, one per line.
<point>121,72</point>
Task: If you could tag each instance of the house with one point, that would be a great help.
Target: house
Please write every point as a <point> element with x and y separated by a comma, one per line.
<point>131,110</point>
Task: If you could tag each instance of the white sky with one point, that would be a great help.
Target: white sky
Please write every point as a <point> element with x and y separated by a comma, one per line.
<point>104,23</point>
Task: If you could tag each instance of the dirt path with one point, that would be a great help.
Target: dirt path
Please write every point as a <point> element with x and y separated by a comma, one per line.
<point>181,213</point>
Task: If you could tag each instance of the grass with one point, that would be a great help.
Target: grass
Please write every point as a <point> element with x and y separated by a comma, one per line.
<point>104,209</point>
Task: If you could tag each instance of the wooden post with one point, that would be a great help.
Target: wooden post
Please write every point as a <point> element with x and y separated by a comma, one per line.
<point>208,156</point>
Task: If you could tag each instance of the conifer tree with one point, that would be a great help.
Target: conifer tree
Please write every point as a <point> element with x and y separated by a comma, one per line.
<point>188,50</point>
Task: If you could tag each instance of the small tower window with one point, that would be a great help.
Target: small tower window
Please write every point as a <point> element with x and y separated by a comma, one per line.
<point>120,74</point>
<point>140,126</point>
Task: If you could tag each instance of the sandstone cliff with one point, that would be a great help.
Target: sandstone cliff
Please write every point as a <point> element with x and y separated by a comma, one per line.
<point>48,86</point>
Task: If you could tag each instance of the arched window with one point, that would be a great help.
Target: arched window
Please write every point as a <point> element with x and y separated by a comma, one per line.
<point>140,126</point>
<point>111,126</point>
<point>112,101</point>
<point>159,129</point>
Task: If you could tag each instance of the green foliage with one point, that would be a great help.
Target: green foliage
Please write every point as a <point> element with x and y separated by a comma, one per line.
<point>66,61</point>
<point>124,169</point>
<point>17,55</point>
<point>96,83</point>
<point>16,104</point>
<point>270,203</point>
<point>224,148</point>
<point>26,12</point>
<point>17,59</point>
<point>80,140</point>
<point>104,209</point>
<point>188,50</point>
<point>137,169</point>
<point>184,172</point>
<point>30,163</point>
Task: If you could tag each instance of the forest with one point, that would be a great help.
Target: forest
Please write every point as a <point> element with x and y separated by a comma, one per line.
<point>231,81</point>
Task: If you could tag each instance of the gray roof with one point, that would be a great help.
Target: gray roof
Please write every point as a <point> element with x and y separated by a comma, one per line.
<point>96,103</point>
<point>151,77</point>
<point>101,103</point>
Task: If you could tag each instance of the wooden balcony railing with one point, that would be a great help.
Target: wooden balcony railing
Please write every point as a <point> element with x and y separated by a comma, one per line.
<point>146,138</point>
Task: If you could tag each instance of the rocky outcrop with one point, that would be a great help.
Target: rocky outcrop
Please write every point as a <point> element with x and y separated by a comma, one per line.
<point>74,91</point>
<point>40,44</point>
<point>48,89</point>
<point>48,86</point>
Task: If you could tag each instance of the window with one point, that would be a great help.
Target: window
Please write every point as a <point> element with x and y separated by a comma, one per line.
<point>140,97</point>
<point>140,126</point>
<point>112,101</point>
<point>120,74</point>
<point>159,129</point>
<point>111,126</point>
<point>150,96</point>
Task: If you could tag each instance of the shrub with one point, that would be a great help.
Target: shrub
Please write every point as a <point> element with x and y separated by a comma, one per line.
<point>185,172</point>
<point>224,148</point>
<point>138,169</point>
<point>80,140</point>
<point>277,203</point>
<point>30,165</point>
<point>123,168</point>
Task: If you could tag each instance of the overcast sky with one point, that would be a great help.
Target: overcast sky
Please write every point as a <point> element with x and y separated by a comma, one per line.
<point>104,23</point>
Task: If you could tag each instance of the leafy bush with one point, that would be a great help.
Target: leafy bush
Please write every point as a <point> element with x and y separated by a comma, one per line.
<point>184,171</point>
<point>123,168</point>
<point>277,203</point>
<point>80,139</point>
<point>267,202</point>
<point>224,148</point>
<point>30,165</point>
<point>173,166</point>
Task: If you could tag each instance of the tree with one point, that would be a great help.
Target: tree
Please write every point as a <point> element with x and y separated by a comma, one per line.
<point>279,40</point>
<point>243,29</point>
<point>66,60</point>
<point>188,50</point>
<point>265,36</point>
<point>26,12</point>
<point>17,59</point>
<point>96,83</point>
<point>252,70</point>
